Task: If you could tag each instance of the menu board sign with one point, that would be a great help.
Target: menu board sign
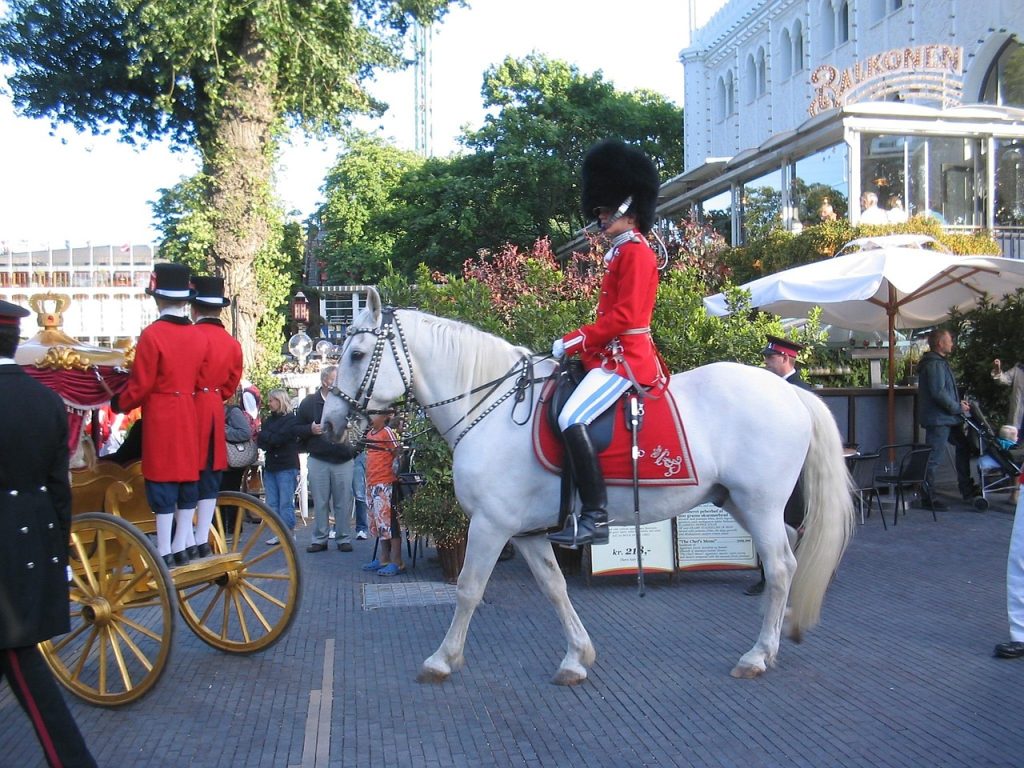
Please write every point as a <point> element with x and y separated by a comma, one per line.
<point>707,538</point>
<point>618,556</point>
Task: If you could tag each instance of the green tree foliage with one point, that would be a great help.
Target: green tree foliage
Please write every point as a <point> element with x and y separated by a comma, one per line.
<point>360,199</point>
<point>516,184</point>
<point>220,76</point>
<point>987,332</point>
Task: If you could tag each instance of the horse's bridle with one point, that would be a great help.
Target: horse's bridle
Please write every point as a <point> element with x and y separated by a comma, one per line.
<point>389,329</point>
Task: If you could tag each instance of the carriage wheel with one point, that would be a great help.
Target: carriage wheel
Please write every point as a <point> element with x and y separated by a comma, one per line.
<point>122,613</point>
<point>250,605</point>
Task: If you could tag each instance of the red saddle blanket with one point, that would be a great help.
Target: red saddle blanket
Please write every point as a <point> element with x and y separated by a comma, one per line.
<point>665,457</point>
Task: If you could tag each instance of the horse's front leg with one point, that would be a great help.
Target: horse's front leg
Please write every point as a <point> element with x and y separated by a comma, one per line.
<point>482,549</point>
<point>579,654</point>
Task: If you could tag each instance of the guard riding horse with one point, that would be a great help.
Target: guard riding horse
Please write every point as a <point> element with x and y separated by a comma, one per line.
<point>751,436</point>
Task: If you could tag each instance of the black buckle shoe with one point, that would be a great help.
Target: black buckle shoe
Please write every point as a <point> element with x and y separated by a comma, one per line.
<point>1010,650</point>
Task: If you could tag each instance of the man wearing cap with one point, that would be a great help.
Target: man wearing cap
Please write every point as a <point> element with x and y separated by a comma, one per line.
<point>620,190</point>
<point>35,527</point>
<point>163,381</point>
<point>220,373</point>
<point>780,358</point>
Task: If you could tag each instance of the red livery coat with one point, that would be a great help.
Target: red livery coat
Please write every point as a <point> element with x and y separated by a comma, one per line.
<point>628,291</point>
<point>163,383</point>
<point>218,378</point>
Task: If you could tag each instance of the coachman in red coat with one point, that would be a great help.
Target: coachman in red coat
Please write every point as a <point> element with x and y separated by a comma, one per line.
<point>620,190</point>
<point>163,382</point>
<point>218,378</point>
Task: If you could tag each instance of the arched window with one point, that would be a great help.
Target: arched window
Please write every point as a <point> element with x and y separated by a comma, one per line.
<point>750,80</point>
<point>721,100</point>
<point>827,22</point>
<point>798,47</point>
<point>843,23</point>
<point>730,94</point>
<point>762,73</point>
<point>784,59</point>
<point>1004,81</point>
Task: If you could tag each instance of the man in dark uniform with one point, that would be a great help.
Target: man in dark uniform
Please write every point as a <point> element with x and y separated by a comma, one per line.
<point>35,525</point>
<point>780,358</point>
<point>218,378</point>
<point>163,382</point>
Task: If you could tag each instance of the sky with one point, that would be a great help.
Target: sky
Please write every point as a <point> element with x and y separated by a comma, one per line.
<point>63,187</point>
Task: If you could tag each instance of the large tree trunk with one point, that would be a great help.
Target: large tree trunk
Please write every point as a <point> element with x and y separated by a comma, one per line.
<point>239,161</point>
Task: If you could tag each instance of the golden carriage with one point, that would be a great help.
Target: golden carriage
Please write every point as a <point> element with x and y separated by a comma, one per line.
<point>241,599</point>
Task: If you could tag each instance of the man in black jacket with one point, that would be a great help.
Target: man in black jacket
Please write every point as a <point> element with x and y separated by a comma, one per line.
<point>35,525</point>
<point>328,471</point>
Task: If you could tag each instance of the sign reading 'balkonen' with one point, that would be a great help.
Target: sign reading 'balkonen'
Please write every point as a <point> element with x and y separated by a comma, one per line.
<point>924,73</point>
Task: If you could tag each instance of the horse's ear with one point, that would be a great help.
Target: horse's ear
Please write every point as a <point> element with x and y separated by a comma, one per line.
<point>373,302</point>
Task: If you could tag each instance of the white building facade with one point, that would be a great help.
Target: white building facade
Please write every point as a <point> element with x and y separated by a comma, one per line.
<point>106,285</point>
<point>791,102</point>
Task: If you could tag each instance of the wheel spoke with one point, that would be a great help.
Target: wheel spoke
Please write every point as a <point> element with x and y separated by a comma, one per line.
<point>197,590</point>
<point>57,647</point>
<point>76,542</point>
<point>140,628</point>
<point>256,611</point>
<point>129,585</point>
<point>103,639</point>
<point>86,652</point>
<point>264,594</point>
<point>213,604</point>
<point>241,619</point>
<point>139,655</point>
<point>259,557</point>
<point>115,646</point>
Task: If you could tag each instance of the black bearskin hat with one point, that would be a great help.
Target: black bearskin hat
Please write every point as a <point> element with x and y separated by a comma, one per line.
<point>613,171</point>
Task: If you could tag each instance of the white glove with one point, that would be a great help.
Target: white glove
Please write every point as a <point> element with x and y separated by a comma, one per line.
<point>558,348</point>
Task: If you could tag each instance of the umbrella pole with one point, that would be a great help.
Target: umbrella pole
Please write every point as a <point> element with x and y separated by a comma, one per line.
<point>892,365</point>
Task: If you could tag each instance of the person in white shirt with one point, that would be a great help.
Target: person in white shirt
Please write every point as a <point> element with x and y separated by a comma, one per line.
<point>870,213</point>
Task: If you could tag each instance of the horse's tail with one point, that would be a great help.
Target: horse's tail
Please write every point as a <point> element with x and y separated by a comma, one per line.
<point>828,519</point>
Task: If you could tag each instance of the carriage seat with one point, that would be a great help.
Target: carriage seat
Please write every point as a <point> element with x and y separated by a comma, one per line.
<point>114,489</point>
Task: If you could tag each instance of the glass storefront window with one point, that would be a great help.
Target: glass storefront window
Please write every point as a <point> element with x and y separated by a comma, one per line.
<point>1004,83</point>
<point>762,206</point>
<point>819,178</point>
<point>942,177</point>
<point>1009,160</point>
<point>717,211</point>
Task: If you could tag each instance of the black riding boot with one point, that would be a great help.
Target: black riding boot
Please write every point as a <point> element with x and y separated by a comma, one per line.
<point>591,525</point>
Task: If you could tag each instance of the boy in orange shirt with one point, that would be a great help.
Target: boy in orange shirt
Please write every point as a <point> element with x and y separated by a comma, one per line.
<point>382,448</point>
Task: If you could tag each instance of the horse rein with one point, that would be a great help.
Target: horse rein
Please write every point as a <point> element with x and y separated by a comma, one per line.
<point>386,334</point>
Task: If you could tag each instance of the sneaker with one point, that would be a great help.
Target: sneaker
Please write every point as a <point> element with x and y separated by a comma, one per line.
<point>373,565</point>
<point>361,535</point>
<point>272,542</point>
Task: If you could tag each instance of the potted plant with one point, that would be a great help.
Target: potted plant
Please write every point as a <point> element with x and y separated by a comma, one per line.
<point>433,509</point>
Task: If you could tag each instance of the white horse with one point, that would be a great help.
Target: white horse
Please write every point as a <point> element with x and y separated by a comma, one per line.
<point>750,433</point>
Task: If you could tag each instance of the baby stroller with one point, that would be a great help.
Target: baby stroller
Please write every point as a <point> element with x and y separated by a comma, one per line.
<point>998,466</point>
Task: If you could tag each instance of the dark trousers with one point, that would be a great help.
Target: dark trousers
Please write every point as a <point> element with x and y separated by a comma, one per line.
<point>37,692</point>
<point>937,437</point>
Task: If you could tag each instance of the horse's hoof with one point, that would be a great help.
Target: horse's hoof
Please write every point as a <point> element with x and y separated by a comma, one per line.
<point>428,675</point>
<point>569,677</point>
<point>744,672</point>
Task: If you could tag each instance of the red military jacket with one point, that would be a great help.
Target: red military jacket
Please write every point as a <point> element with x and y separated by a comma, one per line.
<point>163,383</point>
<point>218,378</point>
<point>621,336</point>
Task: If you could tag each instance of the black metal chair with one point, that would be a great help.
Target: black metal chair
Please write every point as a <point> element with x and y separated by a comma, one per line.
<point>862,472</point>
<point>908,477</point>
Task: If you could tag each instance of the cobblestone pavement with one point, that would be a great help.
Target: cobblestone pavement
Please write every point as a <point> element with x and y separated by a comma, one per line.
<point>900,673</point>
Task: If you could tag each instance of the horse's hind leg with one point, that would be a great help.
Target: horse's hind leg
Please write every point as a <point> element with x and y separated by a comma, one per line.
<point>482,549</point>
<point>579,654</point>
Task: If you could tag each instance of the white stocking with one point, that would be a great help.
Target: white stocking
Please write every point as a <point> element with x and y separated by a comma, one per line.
<point>206,509</point>
<point>164,522</point>
<point>183,528</point>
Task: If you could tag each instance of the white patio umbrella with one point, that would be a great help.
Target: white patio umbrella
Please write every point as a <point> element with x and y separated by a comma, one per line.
<point>885,283</point>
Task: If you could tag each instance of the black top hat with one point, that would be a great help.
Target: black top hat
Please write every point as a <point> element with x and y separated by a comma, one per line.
<point>11,314</point>
<point>170,281</point>
<point>209,292</point>
<point>614,171</point>
<point>777,346</point>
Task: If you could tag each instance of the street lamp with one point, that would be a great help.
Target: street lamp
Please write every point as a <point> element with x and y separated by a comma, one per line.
<point>300,308</point>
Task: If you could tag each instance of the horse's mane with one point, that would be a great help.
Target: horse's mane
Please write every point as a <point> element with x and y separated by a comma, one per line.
<point>475,356</point>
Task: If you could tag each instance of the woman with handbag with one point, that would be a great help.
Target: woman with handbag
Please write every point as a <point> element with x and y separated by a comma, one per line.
<point>238,434</point>
<point>280,442</point>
